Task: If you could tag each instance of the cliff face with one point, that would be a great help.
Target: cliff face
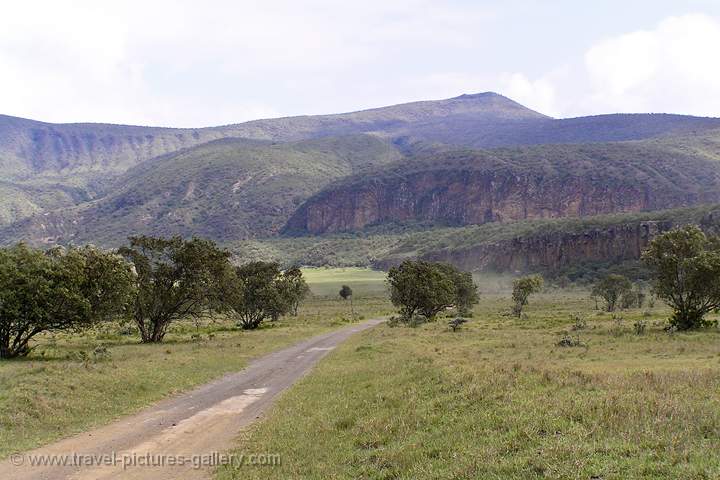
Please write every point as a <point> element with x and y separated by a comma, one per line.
<point>474,197</point>
<point>556,250</point>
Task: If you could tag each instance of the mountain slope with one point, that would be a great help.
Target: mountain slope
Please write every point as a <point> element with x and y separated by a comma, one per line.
<point>551,181</point>
<point>28,147</point>
<point>226,189</point>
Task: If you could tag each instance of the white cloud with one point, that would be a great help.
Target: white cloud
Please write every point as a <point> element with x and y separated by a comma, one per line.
<point>672,68</point>
<point>191,63</point>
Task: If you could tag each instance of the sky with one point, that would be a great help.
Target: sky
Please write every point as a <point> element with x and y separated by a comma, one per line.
<point>202,63</point>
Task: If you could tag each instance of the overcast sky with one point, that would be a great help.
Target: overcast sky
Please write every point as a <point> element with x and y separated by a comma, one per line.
<point>213,62</point>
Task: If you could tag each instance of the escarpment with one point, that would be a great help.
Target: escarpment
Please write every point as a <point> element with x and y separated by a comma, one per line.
<point>476,187</point>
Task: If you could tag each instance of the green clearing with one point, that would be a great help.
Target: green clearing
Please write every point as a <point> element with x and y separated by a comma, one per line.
<point>499,399</point>
<point>326,282</point>
<point>64,388</point>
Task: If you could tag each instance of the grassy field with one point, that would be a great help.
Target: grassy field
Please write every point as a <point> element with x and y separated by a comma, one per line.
<point>71,383</point>
<point>326,282</point>
<point>500,399</point>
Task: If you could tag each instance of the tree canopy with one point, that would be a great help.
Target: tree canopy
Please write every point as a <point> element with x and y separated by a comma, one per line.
<point>57,290</point>
<point>176,278</point>
<point>613,288</point>
<point>426,288</point>
<point>686,274</point>
<point>523,287</point>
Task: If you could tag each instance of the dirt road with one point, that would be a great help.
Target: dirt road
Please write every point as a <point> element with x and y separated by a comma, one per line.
<point>179,438</point>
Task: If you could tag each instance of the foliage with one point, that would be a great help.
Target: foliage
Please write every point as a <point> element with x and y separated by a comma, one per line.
<point>523,287</point>
<point>686,267</point>
<point>176,278</point>
<point>260,292</point>
<point>56,291</point>
<point>612,289</point>
<point>345,292</point>
<point>295,288</point>
<point>428,288</point>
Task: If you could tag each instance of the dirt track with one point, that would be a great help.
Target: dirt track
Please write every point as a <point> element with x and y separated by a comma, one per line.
<point>190,428</point>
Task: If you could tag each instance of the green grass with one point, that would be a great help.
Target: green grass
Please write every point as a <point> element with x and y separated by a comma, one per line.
<point>363,281</point>
<point>61,388</point>
<point>500,400</point>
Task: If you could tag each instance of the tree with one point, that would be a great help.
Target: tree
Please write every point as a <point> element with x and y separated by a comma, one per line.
<point>346,294</point>
<point>258,294</point>
<point>176,279</point>
<point>466,294</point>
<point>57,291</point>
<point>523,287</point>
<point>426,288</point>
<point>686,274</point>
<point>614,288</point>
<point>294,288</point>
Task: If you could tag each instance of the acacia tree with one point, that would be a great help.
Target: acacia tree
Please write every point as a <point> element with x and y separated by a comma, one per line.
<point>258,294</point>
<point>686,267</point>
<point>294,288</point>
<point>346,294</point>
<point>428,288</point>
<point>612,289</point>
<point>56,291</point>
<point>523,287</point>
<point>176,279</point>
<point>466,292</point>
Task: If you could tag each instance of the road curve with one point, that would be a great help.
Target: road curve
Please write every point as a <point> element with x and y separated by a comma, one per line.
<point>187,430</point>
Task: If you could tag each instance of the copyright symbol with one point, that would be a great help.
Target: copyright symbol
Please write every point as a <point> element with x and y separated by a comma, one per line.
<point>17,459</point>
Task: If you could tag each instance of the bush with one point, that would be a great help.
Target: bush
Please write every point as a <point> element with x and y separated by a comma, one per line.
<point>522,289</point>
<point>614,289</point>
<point>639,327</point>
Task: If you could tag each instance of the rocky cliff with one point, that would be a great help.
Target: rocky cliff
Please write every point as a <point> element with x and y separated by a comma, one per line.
<point>557,250</point>
<point>465,188</point>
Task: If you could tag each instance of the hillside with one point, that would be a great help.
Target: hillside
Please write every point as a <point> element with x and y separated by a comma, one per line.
<point>226,189</point>
<point>579,248</point>
<point>509,184</point>
<point>409,164</point>
<point>29,147</point>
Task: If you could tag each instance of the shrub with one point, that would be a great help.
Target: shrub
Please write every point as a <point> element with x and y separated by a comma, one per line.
<point>613,289</point>
<point>522,289</point>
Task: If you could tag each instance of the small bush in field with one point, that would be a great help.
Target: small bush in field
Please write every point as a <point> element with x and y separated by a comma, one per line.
<point>639,327</point>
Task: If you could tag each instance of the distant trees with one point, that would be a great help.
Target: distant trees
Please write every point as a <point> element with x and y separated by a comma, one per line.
<point>523,287</point>
<point>176,278</point>
<point>686,274</point>
<point>426,288</point>
<point>57,290</point>
<point>613,289</point>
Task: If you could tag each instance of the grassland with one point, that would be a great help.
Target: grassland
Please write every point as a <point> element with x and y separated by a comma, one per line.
<point>499,399</point>
<point>71,383</point>
<point>328,281</point>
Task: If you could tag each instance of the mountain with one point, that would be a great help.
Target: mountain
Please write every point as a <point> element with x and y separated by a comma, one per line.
<point>29,147</point>
<point>501,185</point>
<point>341,185</point>
<point>225,189</point>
